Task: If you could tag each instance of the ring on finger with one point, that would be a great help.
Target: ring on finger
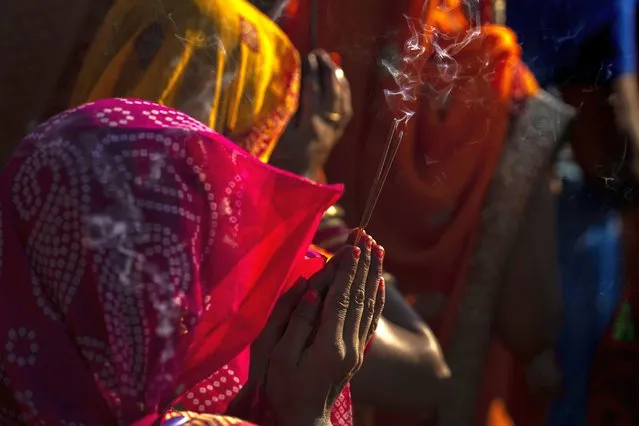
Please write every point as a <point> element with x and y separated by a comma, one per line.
<point>360,296</point>
<point>370,306</point>
<point>333,117</point>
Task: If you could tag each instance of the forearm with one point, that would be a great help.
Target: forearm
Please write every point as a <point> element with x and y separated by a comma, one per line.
<point>402,371</point>
<point>529,308</point>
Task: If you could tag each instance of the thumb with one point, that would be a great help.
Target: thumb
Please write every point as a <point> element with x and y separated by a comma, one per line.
<point>298,333</point>
<point>310,91</point>
<point>274,329</point>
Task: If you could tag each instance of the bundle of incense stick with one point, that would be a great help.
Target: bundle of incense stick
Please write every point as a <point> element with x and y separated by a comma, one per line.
<point>393,141</point>
<point>390,149</point>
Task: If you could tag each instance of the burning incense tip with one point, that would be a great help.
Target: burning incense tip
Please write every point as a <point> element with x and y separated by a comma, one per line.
<point>358,236</point>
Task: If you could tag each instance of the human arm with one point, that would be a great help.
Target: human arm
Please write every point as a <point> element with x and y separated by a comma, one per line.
<point>403,370</point>
<point>324,111</point>
<point>313,344</point>
<point>404,366</point>
<point>399,312</point>
<point>529,309</point>
<point>528,312</point>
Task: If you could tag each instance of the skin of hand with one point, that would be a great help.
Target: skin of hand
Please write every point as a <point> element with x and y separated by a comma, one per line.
<point>324,111</point>
<point>529,308</point>
<point>313,345</point>
<point>306,376</point>
<point>625,101</point>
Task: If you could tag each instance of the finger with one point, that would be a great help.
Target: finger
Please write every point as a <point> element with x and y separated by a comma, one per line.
<point>322,279</point>
<point>290,348</point>
<point>345,99</point>
<point>380,301</point>
<point>352,236</point>
<point>372,282</point>
<point>336,58</point>
<point>336,305</point>
<point>358,295</point>
<point>311,91</point>
<point>329,83</point>
<point>285,305</point>
<point>280,315</point>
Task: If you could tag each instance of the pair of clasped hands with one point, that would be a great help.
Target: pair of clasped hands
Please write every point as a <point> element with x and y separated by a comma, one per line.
<point>315,338</point>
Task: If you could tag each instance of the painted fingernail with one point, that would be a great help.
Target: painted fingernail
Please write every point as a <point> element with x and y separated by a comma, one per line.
<point>336,58</point>
<point>369,242</point>
<point>311,296</point>
<point>379,252</point>
<point>357,252</point>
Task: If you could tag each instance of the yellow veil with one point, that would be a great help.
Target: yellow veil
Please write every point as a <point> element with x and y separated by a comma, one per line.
<point>220,61</point>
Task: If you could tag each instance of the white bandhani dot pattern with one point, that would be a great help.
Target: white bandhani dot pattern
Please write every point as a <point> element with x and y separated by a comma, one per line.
<point>214,394</point>
<point>55,245</point>
<point>342,412</point>
<point>113,209</point>
<point>114,117</point>
<point>91,219</point>
<point>21,347</point>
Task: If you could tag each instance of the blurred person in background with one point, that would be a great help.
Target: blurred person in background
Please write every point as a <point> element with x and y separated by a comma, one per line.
<point>444,206</point>
<point>232,68</point>
<point>124,278</point>
<point>587,51</point>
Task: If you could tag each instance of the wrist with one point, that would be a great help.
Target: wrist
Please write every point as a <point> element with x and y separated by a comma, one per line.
<point>313,174</point>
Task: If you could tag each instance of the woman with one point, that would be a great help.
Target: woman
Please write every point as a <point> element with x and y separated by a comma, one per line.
<point>587,52</point>
<point>595,69</point>
<point>145,259</point>
<point>222,62</point>
<point>149,48</point>
<point>451,208</point>
<point>303,147</point>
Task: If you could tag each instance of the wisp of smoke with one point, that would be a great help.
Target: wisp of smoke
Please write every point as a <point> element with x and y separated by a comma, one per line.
<point>408,78</point>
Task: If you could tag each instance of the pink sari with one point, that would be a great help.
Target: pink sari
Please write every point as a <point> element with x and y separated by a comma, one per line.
<point>138,257</point>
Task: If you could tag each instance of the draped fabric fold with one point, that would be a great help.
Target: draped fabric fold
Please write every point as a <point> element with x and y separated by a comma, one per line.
<point>129,232</point>
<point>222,62</point>
<point>463,82</point>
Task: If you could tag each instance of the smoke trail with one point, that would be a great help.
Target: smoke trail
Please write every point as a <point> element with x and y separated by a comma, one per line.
<point>438,51</point>
<point>429,49</point>
<point>426,46</point>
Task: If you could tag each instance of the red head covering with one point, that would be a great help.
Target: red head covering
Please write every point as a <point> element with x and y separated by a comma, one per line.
<point>125,224</point>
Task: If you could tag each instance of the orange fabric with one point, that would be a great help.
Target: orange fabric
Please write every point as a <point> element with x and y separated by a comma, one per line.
<point>498,414</point>
<point>430,210</point>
